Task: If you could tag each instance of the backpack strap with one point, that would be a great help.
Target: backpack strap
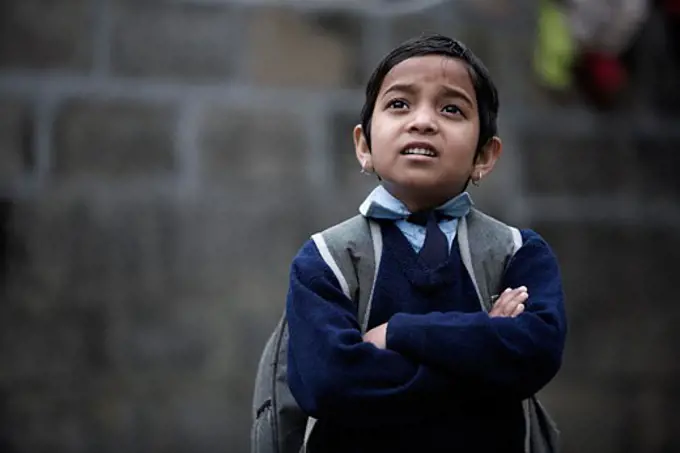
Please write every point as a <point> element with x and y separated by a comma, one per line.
<point>352,249</point>
<point>486,246</point>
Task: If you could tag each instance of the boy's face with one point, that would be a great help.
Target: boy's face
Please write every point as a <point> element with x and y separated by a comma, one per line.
<point>424,132</point>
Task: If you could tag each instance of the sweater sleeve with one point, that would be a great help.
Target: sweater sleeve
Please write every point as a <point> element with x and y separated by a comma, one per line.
<point>332,373</point>
<point>510,356</point>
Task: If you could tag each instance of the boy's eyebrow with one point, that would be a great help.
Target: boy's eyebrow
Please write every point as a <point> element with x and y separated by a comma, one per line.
<point>458,93</point>
<point>409,88</point>
<point>450,91</point>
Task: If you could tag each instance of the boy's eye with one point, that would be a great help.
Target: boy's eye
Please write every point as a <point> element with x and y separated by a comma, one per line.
<point>452,109</point>
<point>397,104</point>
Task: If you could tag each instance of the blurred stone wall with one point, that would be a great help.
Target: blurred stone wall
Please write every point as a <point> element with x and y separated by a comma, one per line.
<point>162,161</point>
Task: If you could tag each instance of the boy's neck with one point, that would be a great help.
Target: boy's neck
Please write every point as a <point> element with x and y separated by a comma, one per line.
<point>420,201</point>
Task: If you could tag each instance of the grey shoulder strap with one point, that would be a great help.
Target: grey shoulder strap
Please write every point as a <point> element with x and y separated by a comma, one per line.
<point>486,245</point>
<point>352,249</point>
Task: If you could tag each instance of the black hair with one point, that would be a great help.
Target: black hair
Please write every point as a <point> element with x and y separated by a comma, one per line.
<point>435,44</point>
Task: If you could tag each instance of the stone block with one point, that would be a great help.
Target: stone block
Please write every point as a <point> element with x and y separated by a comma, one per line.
<point>48,417</point>
<point>68,300</point>
<point>108,265</point>
<point>179,412</point>
<point>417,24</point>
<point>625,348</point>
<point>444,19</point>
<point>613,415</point>
<point>651,417</point>
<point>288,49</point>
<point>58,345</point>
<point>588,415</point>
<point>16,134</point>
<point>226,250</point>
<point>656,159</point>
<point>8,248</point>
<point>230,270</point>
<point>140,328</point>
<point>602,271</point>
<point>176,41</point>
<point>77,271</point>
<point>619,302</point>
<point>186,287</point>
<point>149,338</point>
<point>113,139</point>
<point>348,28</point>
<point>254,149</point>
<point>578,166</point>
<point>40,34</point>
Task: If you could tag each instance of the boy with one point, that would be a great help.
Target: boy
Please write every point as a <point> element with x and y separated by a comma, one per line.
<point>433,372</point>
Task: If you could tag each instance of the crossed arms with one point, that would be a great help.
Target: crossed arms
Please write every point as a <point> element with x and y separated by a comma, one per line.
<point>416,360</point>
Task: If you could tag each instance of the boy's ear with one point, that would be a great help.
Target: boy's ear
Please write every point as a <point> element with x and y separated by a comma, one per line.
<point>487,158</point>
<point>362,150</point>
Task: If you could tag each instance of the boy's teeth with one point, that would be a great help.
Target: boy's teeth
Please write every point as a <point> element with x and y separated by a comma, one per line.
<point>421,151</point>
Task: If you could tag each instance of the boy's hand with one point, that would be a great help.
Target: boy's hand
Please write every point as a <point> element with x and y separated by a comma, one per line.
<point>377,336</point>
<point>510,303</point>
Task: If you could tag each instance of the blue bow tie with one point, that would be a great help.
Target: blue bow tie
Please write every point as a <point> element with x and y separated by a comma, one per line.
<point>381,204</point>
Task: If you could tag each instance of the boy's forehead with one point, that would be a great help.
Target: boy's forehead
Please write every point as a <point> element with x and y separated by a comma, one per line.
<point>430,69</point>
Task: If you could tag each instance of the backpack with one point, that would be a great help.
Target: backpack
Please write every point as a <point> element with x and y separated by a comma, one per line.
<point>352,250</point>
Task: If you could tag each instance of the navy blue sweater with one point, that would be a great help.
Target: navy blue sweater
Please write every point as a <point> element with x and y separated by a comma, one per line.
<point>451,378</point>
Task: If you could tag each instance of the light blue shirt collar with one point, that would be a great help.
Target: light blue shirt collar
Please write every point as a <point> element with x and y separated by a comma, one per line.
<point>380,204</point>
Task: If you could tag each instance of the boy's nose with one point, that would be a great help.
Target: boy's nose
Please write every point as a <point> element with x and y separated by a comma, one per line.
<point>423,122</point>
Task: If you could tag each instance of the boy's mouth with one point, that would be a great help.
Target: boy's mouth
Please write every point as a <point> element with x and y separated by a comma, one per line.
<point>419,149</point>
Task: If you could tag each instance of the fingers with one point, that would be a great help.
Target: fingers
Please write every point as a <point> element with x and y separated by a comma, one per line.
<point>518,310</point>
<point>377,336</point>
<point>510,303</point>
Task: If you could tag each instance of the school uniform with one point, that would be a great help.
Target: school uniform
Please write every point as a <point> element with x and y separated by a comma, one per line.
<point>451,379</point>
